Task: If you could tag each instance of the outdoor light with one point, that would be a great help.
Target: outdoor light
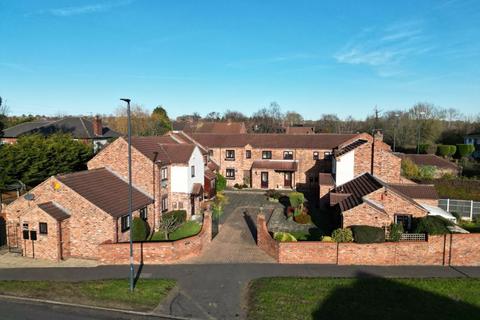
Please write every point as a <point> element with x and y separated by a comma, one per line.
<point>130,190</point>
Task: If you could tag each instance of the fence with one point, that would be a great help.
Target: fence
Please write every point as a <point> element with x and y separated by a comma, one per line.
<point>413,237</point>
<point>467,209</point>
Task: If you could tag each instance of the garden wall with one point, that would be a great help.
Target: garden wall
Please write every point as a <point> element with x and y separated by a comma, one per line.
<point>158,252</point>
<point>452,249</point>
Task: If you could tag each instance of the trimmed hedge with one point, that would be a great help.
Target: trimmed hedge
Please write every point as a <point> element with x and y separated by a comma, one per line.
<point>140,229</point>
<point>426,148</point>
<point>464,150</point>
<point>432,225</point>
<point>342,235</point>
<point>446,150</point>
<point>180,215</point>
<point>368,234</point>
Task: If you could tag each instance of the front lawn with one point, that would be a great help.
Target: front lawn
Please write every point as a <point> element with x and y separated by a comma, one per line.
<point>364,298</point>
<point>188,229</point>
<point>103,293</point>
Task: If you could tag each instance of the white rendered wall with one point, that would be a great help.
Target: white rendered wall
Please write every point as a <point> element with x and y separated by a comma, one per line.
<point>344,168</point>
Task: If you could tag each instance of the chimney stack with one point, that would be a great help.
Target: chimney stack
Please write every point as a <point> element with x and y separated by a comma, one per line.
<point>97,126</point>
<point>378,135</point>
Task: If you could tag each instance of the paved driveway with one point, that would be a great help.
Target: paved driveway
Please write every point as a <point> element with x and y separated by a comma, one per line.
<point>236,240</point>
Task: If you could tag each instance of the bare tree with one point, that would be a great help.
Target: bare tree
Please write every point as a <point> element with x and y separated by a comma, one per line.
<point>168,224</point>
<point>293,118</point>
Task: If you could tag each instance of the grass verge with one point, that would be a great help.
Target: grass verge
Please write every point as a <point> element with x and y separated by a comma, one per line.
<point>188,229</point>
<point>364,298</point>
<point>101,293</point>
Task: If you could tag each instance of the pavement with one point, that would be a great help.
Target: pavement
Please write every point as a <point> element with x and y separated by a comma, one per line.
<point>15,260</point>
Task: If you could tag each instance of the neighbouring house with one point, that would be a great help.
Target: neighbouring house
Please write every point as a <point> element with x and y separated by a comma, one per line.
<point>367,200</point>
<point>281,161</point>
<point>227,127</point>
<point>299,130</point>
<point>71,215</point>
<point>442,166</point>
<point>474,138</point>
<point>88,131</point>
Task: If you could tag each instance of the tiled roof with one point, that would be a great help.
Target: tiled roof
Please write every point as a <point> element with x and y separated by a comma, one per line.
<point>209,174</point>
<point>300,130</point>
<point>54,210</point>
<point>148,146</point>
<point>105,190</point>
<point>197,189</point>
<point>211,127</point>
<point>416,191</point>
<point>349,147</point>
<point>213,166</point>
<point>78,127</point>
<point>278,165</point>
<point>175,153</point>
<point>320,141</point>
<point>430,160</point>
<point>357,188</point>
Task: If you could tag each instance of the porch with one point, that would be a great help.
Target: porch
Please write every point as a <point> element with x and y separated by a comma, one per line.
<point>274,174</point>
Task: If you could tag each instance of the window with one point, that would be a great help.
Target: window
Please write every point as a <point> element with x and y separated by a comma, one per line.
<point>315,155</point>
<point>405,220</point>
<point>164,204</point>
<point>288,155</point>
<point>230,174</point>
<point>125,222</point>
<point>164,173</point>
<point>192,169</point>
<point>25,226</point>
<point>327,155</point>
<point>43,228</point>
<point>144,214</point>
<point>248,154</point>
<point>230,154</point>
<point>267,154</point>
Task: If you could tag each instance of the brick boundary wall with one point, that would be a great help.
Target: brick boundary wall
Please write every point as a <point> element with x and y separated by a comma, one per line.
<point>452,249</point>
<point>158,252</point>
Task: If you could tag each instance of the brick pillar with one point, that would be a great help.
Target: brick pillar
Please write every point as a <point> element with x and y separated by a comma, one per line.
<point>264,240</point>
<point>157,195</point>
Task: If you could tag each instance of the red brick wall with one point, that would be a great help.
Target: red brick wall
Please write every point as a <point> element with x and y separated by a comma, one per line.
<point>158,252</point>
<point>456,250</point>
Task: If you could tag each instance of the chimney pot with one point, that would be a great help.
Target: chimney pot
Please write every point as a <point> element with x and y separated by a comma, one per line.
<point>97,126</point>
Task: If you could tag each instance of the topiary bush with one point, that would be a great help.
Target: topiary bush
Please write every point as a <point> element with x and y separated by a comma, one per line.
<point>464,150</point>
<point>368,234</point>
<point>327,239</point>
<point>220,183</point>
<point>180,215</point>
<point>342,235</point>
<point>432,225</point>
<point>139,229</point>
<point>284,237</point>
<point>426,148</point>
<point>446,150</point>
<point>396,230</point>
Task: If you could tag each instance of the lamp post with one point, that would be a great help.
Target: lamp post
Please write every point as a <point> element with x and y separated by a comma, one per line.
<point>129,125</point>
<point>396,115</point>
<point>421,114</point>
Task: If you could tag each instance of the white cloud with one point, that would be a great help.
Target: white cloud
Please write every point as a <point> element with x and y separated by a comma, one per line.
<point>86,9</point>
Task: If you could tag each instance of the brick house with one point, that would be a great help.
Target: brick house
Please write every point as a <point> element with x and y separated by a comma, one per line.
<point>90,132</point>
<point>367,200</point>
<point>72,214</point>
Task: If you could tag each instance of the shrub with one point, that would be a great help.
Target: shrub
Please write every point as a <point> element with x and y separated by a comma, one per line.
<point>396,230</point>
<point>409,169</point>
<point>296,199</point>
<point>180,215</point>
<point>220,183</point>
<point>139,229</point>
<point>432,225</point>
<point>368,234</point>
<point>445,150</point>
<point>426,148</point>
<point>426,172</point>
<point>342,235</point>
<point>274,194</point>
<point>327,239</point>
<point>302,219</point>
<point>465,150</point>
<point>284,237</point>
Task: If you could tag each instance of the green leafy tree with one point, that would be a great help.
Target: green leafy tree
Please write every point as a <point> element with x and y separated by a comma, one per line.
<point>161,124</point>
<point>34,158</point>
<point>465,150</point>
<point>220,183</point>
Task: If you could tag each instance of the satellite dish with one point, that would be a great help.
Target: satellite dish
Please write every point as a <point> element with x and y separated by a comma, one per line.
<point>29,196</point>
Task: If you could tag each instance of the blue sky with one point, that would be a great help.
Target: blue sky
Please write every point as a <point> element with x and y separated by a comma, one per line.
<point>314,57</point>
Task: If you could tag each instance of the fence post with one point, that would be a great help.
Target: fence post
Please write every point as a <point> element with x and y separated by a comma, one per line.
<point>448,205</point>
<point>471,210</point>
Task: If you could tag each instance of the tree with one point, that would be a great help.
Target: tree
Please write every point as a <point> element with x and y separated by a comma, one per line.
<point>168,224</point>
<point>3,116</point>
<point>34,158</point>
<point>329,123</point>
<point>268,120</point>
<point>161,124</point>
<point>139,229</point>
<point>235,116</point>
<point>293,118</point>
<point>212,116</point>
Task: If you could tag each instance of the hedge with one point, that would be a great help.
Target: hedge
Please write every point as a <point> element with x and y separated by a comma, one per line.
<point>465,150</point>
<point>368,234</point>
<point>432,225</point>
<point>342,235</point>
<point>426,148</point>
<point>140,229</point>
<point>446,150</point>
<point>180,215</point>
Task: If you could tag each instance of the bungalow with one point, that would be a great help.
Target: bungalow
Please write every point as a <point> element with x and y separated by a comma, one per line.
<point>442,166</point>
<point>70,215</point>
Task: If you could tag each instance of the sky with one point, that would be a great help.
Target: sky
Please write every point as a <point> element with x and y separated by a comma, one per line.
<point>314,57</point>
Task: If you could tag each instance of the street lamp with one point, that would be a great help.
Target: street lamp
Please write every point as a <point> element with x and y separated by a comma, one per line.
<point>129,125</point>
<point>395,125</point>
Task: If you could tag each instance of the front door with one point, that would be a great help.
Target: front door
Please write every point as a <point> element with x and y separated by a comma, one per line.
<point>264,177</point>
<point>287,181</point>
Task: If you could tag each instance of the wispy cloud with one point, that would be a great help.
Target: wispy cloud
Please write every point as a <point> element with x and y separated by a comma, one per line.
<point>384,49</point>
<point>85,9</point>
